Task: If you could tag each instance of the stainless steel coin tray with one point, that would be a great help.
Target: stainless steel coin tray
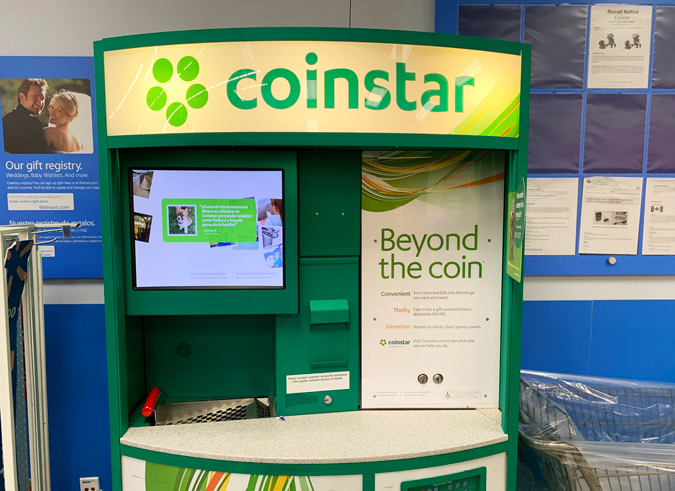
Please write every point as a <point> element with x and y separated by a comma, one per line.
<point>179,413</point>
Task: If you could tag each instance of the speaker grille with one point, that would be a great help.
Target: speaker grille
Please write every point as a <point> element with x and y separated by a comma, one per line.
<point>183,349</point>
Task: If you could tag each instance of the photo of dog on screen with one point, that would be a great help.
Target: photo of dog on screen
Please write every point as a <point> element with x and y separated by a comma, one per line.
<point>182,219</point>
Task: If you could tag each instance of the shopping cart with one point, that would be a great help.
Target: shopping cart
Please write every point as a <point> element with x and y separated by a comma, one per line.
<point>591,434</point>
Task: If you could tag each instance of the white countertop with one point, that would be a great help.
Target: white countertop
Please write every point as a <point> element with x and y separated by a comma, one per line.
<point>348,437</point>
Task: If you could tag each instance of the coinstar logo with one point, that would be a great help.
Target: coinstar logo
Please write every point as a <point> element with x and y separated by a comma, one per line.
<point>378,90</point>
<point>196,95</point>
<point>394,342</point>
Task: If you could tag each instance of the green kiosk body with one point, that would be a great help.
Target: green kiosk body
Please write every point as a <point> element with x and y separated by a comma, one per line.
<point>313,244</point>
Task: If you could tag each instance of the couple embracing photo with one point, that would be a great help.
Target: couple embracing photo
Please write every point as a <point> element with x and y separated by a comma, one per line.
<point>43,119</point>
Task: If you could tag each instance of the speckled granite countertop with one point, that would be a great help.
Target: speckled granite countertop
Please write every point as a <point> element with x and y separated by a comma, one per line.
<point>356,436</point>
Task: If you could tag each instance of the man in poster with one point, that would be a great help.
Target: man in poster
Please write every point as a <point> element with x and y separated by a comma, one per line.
<point>21,128</point>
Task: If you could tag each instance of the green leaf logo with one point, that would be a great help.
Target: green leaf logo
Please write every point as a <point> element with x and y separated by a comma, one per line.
<point>196,96</point>
<point>383,342</point>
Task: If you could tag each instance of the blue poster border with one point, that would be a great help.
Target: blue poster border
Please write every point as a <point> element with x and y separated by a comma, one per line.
<point>76,174</point>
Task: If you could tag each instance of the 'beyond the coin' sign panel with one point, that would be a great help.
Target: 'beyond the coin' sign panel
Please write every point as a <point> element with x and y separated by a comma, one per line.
<point>431,269</point>
<point>318,86</point>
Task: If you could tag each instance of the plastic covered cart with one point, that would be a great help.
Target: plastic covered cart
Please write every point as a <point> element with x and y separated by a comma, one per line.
<point>582,433</point>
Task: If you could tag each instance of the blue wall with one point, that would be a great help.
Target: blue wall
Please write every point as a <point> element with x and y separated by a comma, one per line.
<point>611,338</point>
<point>77,394</point>
<point>628,339</point>
<point>622,338</point>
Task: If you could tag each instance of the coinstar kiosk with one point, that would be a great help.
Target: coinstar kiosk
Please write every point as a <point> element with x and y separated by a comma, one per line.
<point>313,245</point>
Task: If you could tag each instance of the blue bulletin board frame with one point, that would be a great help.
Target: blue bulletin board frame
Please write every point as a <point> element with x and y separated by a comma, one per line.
<point>79,256</point>
<point>447,21</point>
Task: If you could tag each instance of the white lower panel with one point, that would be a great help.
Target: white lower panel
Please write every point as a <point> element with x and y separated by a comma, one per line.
<point>139,475</point>
<point>133,474</point>
<point>495,466</point>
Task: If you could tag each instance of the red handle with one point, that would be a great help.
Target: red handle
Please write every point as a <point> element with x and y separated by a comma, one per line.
<point>151,402</point>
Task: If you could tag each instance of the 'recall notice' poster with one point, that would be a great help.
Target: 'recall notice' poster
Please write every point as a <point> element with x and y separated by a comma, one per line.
<point>432,235</point>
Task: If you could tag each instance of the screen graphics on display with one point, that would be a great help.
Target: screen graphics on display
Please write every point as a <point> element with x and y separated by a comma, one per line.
<point>207,229</point>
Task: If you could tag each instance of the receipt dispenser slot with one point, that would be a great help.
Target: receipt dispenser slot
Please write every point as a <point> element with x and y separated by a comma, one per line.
<point>329,322</point>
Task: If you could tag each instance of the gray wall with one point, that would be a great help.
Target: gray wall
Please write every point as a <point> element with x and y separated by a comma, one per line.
<point>69,27</point>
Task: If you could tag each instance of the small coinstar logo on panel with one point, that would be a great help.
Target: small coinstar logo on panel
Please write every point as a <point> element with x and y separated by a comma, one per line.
<point>196,95</point>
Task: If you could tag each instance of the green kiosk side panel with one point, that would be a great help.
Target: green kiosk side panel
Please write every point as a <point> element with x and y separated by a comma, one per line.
<point>329,202</point>
<point>317,350</point>
<point>134,368</point>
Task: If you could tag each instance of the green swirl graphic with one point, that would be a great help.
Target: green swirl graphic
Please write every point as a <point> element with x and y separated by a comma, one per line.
<point>390,179</point>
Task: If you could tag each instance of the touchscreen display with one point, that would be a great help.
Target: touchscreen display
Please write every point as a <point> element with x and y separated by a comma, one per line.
<point>207,228</point>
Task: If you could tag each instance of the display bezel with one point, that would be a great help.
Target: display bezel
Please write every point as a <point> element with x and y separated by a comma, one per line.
<point>210,299</point>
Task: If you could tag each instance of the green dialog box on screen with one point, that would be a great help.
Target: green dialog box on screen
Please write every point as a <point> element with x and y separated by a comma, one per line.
<point>209,220</point>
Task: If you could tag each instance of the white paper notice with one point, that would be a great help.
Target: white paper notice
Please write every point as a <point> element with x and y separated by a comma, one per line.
<point>658,237</point>
<point>315,382</point>
<point>551,216</point>
<point>619,46</point>
<point>610,215</point>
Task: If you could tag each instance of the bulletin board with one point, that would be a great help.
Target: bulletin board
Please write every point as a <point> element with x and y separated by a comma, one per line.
<point>590,125</point>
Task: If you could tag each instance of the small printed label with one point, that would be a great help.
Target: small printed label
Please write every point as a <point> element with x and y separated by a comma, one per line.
<point>47,251</point>
<point>462,394</point>
<point>315,382</point>
<point>40,201</point>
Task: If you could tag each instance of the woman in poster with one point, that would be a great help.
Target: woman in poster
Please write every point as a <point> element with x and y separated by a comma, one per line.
<point>63,109</point>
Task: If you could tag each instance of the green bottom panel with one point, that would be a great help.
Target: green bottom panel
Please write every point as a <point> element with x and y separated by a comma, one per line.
<point>471,480</point>
<point>483,474</point>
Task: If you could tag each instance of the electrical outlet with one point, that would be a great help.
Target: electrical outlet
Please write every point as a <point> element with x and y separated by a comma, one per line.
<point>89,484</point>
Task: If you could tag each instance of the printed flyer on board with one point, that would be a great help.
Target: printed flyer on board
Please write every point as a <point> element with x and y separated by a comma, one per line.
<point>610,215</point>
<point>432,232</point>
<point>50,162</point>
<point>619,46</point>
<point>658,236</point>
<point>551,216</point>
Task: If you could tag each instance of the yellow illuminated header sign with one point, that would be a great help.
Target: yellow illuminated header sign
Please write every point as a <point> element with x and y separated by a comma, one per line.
<point>320,87</point>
